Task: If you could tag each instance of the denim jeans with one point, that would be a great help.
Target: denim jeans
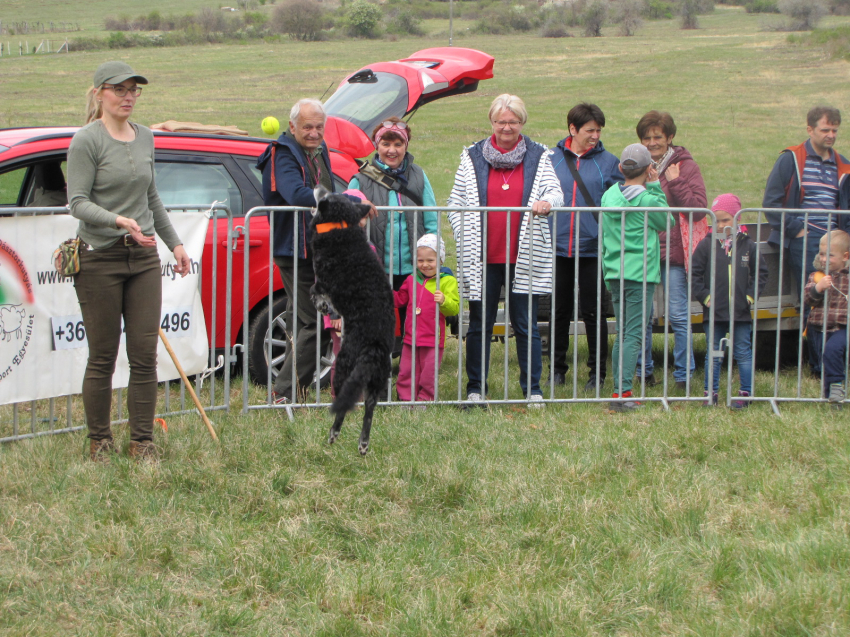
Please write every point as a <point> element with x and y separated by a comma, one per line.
<point>679,318</point>
<point>481,319</point>
<point>802,266</point>
<point>833,354</point>
<point>629,329</point>
<point>742,350</point>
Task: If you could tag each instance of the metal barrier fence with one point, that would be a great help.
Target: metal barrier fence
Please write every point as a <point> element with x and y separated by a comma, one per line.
<point>776,319</point>
<point>775,314</point>
<point>43,415</point>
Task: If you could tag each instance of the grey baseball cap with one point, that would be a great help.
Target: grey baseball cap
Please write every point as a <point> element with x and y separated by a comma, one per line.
<point>635,156</point>
<point>115,73</point>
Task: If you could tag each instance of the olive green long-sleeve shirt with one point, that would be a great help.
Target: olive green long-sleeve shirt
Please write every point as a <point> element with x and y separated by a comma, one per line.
<point>108,178</point>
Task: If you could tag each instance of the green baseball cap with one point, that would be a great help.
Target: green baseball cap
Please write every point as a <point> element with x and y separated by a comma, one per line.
<point>115,73</point>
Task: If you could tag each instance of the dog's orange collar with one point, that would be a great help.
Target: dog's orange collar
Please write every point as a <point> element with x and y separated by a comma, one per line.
<point>321,228</point>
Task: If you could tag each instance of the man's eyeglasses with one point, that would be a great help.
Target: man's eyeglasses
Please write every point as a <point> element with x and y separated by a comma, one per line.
<point>504,124</point>
<point>398,125</point>
<point>121,91</point>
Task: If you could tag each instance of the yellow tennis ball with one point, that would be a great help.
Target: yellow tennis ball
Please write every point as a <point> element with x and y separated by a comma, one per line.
<point>270,126</point>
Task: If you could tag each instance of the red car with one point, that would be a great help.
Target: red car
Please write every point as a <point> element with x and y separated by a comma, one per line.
<point>193,169</point>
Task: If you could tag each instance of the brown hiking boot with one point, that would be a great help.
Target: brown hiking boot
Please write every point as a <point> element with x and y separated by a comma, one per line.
<point>144,450</point>
<point>101,450</point>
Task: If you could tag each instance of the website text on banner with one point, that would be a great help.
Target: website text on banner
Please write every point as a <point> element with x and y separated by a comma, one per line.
<point>43,347</point>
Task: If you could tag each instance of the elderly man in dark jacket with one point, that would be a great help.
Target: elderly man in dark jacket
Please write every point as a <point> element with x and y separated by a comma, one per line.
<point>292,167</point>
<point>581,154</point>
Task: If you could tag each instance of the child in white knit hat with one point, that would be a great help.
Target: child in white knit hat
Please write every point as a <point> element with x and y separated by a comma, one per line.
<point>426,294</point>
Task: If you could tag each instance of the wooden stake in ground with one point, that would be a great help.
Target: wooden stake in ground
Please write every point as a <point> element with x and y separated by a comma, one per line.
<point>188,384</point>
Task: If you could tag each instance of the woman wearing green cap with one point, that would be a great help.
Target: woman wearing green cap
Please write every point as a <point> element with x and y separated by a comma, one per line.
<point>112,191</point>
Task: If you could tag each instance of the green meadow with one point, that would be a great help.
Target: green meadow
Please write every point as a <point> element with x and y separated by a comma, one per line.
<point>509,522</point>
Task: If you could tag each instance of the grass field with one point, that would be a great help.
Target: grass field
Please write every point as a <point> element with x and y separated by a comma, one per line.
<point>89,15</point>
<point>505,523</point>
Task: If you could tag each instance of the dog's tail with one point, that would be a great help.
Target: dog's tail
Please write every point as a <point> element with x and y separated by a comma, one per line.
<point>366,376</point>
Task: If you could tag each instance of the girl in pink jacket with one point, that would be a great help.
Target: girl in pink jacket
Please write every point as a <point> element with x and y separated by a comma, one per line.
<point>422,294</point>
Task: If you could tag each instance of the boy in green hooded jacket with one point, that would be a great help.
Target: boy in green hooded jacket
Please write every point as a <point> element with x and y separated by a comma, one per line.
<point>631,257</point>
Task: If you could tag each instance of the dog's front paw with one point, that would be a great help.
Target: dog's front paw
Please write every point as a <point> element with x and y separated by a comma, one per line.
<point>363,447</point>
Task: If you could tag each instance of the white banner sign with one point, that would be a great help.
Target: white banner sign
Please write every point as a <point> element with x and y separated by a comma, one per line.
<point>43,346</point>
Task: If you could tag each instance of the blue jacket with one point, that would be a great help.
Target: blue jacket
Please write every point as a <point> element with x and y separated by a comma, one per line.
<point>599,170</point>
<point>293,187</point>
<point>783,191</point>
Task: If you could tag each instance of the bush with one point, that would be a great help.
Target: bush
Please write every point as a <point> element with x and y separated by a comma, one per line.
<point>594,18</point>
<point>362,19</point>
<point>554,30</point>
<point>762,6</point>
<point>689,12</point>
<point>405,22</point>
<point>803,14</point>
<point>627,14</point>
<point>299,19</point>
<point>659,10</point>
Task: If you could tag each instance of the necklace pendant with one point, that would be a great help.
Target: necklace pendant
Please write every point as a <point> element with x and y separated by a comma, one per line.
<point>506,187</point>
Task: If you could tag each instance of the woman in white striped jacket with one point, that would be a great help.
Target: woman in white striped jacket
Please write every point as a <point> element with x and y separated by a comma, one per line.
<point>500,250</point>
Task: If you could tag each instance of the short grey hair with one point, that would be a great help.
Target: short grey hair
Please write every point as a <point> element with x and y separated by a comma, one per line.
<point>295,113</point>
<point>511,102</point>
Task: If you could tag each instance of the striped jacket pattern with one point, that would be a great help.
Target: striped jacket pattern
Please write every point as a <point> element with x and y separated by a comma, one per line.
<point>470,190</point>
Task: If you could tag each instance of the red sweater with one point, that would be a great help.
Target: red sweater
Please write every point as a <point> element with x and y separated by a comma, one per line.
<point>497,222</point>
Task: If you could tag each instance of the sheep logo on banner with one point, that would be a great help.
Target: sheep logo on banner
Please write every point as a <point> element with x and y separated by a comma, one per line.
<point>11,321</point>
<point>16,323</point>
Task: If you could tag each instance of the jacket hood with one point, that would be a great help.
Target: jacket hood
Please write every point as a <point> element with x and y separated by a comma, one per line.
<point>599,148</point>
<point>680,153</point>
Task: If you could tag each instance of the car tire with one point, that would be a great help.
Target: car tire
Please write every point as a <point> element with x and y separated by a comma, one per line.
<point>259,334</point>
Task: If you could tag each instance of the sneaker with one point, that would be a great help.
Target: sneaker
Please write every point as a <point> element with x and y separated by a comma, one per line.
<point>710,402</point>
<point>102,450</point>
<point>592,383</point>
<point>144,450</point>
<point>559,379</point>
<point>536,401</point>
<point>836,394</point>
<point>475,397</point>
<point>278,399</point>
<point>682,385</point>
<point>741,404</point>
<point>628,405</point>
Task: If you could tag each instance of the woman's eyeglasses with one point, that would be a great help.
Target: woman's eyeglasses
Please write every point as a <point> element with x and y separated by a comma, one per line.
<point>121,91</point>
<point>398,125</point>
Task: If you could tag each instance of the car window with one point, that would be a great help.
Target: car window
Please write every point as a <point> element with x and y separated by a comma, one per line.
<point>366,104</point>
<point>188,183</point>
<point>10,186</point>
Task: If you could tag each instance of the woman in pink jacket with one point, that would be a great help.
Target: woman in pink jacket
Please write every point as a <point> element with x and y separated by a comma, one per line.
<point>684,187</point>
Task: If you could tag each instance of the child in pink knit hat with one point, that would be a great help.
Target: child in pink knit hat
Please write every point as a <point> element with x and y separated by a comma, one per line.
<point>734,252</point>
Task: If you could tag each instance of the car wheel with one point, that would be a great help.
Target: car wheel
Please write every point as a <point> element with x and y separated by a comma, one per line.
<point>262,332</point>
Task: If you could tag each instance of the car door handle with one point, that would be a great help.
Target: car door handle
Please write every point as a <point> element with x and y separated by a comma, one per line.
<point>240,244</point>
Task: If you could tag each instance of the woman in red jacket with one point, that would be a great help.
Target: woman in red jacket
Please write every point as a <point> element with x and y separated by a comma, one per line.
<point>684,187</point>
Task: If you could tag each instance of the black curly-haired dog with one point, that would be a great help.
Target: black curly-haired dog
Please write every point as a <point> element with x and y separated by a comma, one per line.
<point>351,281</point>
